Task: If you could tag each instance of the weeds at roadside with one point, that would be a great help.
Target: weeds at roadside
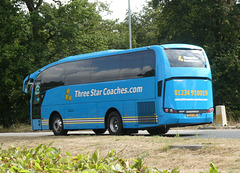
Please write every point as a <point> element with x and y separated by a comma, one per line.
<point>17,128</point>
<point>49,159</point>
<point>196,135</point>
<point>166,148</point>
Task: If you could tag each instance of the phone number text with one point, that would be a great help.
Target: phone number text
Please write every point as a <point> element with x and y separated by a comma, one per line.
<point>190,92</point>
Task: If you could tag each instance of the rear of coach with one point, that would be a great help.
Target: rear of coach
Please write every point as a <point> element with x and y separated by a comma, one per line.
<point>187,97</point>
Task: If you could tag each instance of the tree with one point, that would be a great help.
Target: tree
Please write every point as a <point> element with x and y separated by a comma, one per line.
<point>13,35</point>
<point>117,34</point>
<point>31,39</point>
<point>33,5</point>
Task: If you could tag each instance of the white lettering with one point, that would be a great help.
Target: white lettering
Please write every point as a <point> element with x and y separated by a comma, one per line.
<point>79,93</point>
<point>108,91</point>
<point>104,91</point>
<point>95,92</point>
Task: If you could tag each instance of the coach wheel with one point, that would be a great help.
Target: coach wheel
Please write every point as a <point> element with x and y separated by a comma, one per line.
<point>99,131</point>
<point>114,124</point>
<point>57,126</point>
<point>158,131</point>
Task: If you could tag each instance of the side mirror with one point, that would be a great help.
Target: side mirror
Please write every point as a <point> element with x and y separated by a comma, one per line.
<point>25,84</point>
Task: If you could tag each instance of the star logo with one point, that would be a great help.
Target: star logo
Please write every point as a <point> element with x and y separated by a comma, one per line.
<point>180,58</point>
<point>68,91</point>
<point>68,97</point>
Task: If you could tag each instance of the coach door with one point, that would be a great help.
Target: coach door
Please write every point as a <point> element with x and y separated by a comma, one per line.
<point>36,107</point>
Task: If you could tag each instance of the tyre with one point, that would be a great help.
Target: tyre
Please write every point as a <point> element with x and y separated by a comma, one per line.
<point>99,131</point>
<point>158,131</point>
<point>57,126</point>
<point>114,124</point>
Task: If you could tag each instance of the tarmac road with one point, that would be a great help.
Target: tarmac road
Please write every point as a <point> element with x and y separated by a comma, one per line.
<point>198,133</point>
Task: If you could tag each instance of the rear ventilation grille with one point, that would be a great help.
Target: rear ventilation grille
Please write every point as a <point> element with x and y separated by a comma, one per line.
<point>146,113</point>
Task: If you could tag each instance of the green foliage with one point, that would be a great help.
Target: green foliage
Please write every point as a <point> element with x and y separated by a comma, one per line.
<point>45,158</point>
<point>29,41</point>
<point>233,115</point>
<point>12,51</point>
<point>213,168</point>
<point>48,159</point>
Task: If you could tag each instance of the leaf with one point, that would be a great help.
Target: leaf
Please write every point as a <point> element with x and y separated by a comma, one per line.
<point>38,148</point>
<point>175,170</point>
<point>117,168</point>
<point>213,168</point>
<point>38,166</point>
<point>68,154</point>
<point>95,156</point>
<point>24,171</point>
<point>15,168</point>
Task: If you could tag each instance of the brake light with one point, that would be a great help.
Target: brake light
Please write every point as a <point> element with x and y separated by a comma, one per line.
<point>170,110</point>
<point>210,110</point>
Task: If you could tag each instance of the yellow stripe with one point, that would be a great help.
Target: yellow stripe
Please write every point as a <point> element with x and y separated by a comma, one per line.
<point>130,121</point>
<point>84,119</point>
<point>141,117</point>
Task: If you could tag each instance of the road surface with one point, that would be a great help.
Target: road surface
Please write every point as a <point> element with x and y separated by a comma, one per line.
<point>205,133</point>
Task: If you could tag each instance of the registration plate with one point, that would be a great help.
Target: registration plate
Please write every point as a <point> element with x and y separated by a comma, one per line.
<point>192,115</point>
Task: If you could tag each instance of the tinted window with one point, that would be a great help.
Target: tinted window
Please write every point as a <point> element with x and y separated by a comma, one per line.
<point>53,77</point>
<point>138,64</point>
<point>36,92</point>
<point>131,66</point>
<point>124,66</point>
<point>105,69</point>
<point>78,72</point>
<point>148,64</point>
<point>185,58</point>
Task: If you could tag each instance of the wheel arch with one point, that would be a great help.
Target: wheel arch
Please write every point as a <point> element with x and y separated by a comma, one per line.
<point>112,109</point>
<point>53,114</point>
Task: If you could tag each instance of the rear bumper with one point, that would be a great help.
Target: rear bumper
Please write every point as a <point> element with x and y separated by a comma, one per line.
<point>176,120</point>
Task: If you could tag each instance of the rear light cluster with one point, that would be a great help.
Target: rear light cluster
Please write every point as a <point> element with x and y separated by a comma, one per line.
<point>170,110</point>
<point>210,110</point>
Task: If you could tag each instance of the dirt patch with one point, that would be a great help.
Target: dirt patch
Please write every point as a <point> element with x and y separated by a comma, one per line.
<point>224,153</point>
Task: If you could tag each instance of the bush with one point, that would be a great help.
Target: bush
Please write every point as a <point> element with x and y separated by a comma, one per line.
<point>233,115</point>
<point>48,159</point>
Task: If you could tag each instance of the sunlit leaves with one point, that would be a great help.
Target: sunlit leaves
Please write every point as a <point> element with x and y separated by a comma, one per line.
<point>48,159</point>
